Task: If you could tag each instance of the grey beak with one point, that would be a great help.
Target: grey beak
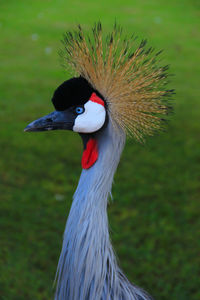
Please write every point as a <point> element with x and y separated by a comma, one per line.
<point>54,121</point>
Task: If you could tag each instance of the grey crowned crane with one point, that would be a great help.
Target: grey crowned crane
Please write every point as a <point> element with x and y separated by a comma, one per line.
<point>116,91</point>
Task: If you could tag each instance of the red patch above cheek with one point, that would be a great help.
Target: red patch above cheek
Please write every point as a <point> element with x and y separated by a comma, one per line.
<point>96,99</point>
<point>90,154</point>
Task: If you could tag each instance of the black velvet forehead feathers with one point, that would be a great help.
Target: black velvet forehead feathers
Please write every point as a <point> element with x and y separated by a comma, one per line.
<point>73,92</point>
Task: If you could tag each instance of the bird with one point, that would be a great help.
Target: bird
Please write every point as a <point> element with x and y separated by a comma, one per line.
<point>117,90</point>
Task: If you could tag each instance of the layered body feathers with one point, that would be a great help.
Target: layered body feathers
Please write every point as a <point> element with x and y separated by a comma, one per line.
<point>88,268</point>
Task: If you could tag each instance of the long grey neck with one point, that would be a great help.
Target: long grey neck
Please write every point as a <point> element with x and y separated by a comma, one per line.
<point>87,254</point>
<point>87,268</point>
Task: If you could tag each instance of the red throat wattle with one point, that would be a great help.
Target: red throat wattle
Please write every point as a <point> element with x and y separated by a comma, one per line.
<point>90,154</point>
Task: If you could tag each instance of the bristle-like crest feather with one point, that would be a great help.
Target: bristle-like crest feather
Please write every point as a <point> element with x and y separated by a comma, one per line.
<point>128,77</point>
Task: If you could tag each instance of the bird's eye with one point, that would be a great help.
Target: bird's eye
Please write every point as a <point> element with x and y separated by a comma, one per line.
<point>79,110</point>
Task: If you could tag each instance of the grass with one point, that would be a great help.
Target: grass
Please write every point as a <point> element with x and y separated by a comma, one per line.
<point>154,219</point>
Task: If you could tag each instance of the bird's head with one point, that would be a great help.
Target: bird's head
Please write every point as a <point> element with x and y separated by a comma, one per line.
<point>117,81</point>
<point>78,107</point>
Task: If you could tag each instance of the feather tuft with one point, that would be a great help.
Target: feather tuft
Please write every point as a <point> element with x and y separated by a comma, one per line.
<point>129,77</point>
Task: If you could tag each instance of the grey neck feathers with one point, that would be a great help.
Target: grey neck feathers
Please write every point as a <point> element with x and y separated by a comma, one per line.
<point>87,268</point>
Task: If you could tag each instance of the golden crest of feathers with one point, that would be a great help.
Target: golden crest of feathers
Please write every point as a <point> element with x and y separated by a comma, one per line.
<point>128,77</point>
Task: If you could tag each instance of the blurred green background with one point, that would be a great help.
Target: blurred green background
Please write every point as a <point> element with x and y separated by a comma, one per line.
<point>155,217</point>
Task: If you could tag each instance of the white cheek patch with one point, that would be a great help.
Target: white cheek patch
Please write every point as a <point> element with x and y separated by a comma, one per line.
<point>92,119</point>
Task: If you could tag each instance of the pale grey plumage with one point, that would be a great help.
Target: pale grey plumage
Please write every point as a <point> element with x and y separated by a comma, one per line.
<point>87,268</point>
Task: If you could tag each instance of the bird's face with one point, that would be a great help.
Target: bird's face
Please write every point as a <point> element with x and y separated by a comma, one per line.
<point>78,108</point>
